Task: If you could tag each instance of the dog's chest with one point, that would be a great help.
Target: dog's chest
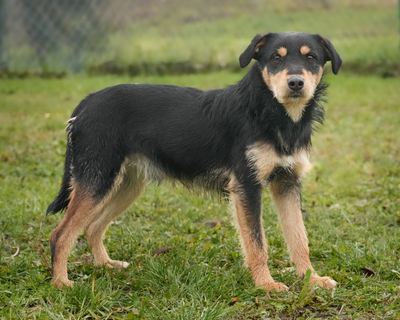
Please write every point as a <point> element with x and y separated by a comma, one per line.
<point>264,159</point>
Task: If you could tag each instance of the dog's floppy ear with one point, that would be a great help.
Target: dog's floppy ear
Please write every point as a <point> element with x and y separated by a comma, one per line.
<point>252,50</point>
<point>331,55</point>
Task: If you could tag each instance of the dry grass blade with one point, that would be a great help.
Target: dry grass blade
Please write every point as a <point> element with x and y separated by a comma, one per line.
<point>398,295</point>
<point>108,315</point>
<point>16,252</point>
<point>41,250</point>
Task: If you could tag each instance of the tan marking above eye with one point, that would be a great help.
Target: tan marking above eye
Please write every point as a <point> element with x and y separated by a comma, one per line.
<point>282,51</point>
<point>305,49</point>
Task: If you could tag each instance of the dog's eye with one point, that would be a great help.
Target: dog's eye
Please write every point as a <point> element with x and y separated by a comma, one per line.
<point>277,58</point>
<point>310,57</point>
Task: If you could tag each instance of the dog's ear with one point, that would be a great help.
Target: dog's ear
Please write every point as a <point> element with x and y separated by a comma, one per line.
<point>252,50</point>
<point>331,55</point>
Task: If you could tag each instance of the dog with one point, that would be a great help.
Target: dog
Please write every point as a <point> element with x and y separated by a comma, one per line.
<point>234,141</point>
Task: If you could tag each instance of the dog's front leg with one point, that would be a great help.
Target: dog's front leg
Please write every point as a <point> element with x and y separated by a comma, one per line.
<point>246,199</point>
<point>286,194</point>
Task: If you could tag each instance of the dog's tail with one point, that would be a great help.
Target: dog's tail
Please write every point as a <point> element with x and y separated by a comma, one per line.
<point>61,202</point>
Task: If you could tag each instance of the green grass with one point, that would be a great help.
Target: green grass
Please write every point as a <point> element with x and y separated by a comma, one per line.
<point>176,37</point>
<point>352,196</point>
<point>366,38</point>
<point>352,30</point>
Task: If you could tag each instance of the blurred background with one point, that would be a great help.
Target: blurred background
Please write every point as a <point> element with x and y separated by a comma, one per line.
<point>57,37</point>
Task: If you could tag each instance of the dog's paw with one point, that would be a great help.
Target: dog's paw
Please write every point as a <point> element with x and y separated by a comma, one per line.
<point>323,282</point>
<point>117,264</point>
<point>278,286</point>
<point>61,283</point>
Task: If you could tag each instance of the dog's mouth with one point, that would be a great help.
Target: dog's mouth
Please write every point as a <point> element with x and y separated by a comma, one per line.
<point>295,94</point>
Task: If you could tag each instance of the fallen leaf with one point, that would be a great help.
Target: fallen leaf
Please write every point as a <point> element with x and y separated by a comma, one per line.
<point>279,261</point>
<point>233,301</point>
<point>135,311</point>
<point>85,258</point>
<point>368,272</point>
<point>161,250</point>
<point>334,206</point>
<point>211,223</point>
<point>80,243</point>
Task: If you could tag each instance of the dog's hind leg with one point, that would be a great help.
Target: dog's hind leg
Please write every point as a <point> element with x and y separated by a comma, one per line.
<point>127,187</point>
<point>81,209</point>
<point>286,194</point>
<point>246,199</point>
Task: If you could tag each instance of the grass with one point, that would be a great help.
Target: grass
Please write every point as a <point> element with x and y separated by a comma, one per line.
<point>352,196</point>
<point>367,39</point>
<point>157,38</point>
<point>358,33</point>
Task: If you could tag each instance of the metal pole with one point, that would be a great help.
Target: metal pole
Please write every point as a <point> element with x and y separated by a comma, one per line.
<point>3,34</point>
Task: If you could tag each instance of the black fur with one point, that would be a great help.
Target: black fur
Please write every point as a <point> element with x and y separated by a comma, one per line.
<point>203,138</point>
<point>211,131</point>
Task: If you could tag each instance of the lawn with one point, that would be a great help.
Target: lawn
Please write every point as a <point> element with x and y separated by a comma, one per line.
<point>164,37</point>
<point>352,196</point>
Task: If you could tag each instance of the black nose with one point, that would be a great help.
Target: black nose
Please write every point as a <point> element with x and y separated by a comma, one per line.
<point>296,83</point>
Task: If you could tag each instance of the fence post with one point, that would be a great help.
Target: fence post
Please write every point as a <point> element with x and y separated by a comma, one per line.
<point>2,34</point>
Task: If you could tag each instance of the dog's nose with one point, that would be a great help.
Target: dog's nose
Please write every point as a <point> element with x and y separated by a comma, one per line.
<point>296,83</point>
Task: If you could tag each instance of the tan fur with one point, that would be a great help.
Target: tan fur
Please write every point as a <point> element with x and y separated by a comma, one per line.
<point>295,108</point>
<point>289,209</point>
<point>148,169</point>
<point>323,282</point>
<point>263,158</point>
<point>79,212</point>
<point>278,84</point>
<point>255,257</point>
<point>282,51</point>
<point>130,185</point>
<point>260,44</point>
<point>82,213</point>
<point>298,162</point>
<point>311,80</point>
<point>302,163</point>
<point>305,49</point>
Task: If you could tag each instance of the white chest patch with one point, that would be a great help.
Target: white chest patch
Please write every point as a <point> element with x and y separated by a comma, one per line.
<point>287,162</point>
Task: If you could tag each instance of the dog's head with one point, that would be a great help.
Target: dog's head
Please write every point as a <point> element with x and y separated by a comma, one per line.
<point>291,64</point>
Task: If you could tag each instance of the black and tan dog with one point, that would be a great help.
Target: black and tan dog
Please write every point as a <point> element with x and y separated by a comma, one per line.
<point>234,141</point>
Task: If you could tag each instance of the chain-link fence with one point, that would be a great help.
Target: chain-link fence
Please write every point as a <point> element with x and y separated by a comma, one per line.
<point>178,36</point>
